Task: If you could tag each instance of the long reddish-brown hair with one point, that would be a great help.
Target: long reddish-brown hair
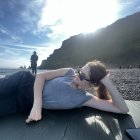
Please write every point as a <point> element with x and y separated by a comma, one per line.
<point>97,72</point>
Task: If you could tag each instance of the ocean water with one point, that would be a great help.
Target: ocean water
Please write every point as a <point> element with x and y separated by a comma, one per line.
<point>8,71</point>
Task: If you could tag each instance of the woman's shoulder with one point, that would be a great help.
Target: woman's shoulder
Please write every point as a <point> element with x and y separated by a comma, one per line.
<point>70,71</point>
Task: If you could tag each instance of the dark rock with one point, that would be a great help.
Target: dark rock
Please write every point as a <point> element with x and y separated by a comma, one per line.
<point>116,45</point>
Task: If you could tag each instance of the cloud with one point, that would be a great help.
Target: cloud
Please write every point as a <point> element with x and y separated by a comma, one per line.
<point>7,36</point>
<point>127,7</point>
<point>12,4</point>
<point>138,8</point>
<point>70,17</point>
<point>22,15</point>
<point>3,31</point>
<point>50,13</point>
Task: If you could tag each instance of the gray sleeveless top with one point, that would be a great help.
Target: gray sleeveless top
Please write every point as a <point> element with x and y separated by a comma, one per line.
<point>58,94</point>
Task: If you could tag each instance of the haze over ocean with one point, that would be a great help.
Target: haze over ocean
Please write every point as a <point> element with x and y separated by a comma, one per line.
<point>9,71</point>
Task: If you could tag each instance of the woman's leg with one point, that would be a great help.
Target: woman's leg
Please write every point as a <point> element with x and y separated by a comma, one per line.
<point>25,93</point>
<point>11,90</point>
<point>8,89</point>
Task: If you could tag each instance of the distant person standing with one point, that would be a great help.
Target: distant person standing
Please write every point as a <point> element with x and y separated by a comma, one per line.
<point>34,59</point>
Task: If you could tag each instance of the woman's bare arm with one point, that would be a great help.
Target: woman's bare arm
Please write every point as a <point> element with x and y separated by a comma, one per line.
<point>35,113</point>
<point>117,98</point>
<point>116,104</point>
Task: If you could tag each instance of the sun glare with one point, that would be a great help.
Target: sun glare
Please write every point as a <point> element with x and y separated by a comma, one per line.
<point>79,16</point>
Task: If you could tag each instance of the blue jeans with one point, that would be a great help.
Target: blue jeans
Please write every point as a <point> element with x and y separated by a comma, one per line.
<point>16,93</point>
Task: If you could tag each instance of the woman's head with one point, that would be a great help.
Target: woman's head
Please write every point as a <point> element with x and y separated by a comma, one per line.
<point>97,71</point>
<point>94,72</point>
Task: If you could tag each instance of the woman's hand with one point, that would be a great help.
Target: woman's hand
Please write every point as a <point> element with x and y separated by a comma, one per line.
<point>35,115</point>
<point>105,78</point>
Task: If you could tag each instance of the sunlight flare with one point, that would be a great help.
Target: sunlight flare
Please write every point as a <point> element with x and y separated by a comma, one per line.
<point>78,16</point>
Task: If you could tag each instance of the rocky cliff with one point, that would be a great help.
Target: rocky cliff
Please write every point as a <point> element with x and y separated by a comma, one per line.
<point>118,44</point>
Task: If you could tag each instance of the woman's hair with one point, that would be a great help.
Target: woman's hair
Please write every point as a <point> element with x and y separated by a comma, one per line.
<point>97,72</point>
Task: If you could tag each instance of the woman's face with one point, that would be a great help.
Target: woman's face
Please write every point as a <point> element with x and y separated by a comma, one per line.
<point>84,72</point>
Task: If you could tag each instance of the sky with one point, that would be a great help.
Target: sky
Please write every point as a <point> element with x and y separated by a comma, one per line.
<point>42,25</point>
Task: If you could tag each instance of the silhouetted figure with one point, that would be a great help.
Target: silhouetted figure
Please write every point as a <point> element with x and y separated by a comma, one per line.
<point>34,59</point>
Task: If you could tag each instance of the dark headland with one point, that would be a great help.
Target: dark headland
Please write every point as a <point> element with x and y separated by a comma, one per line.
<point>117,45</point>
